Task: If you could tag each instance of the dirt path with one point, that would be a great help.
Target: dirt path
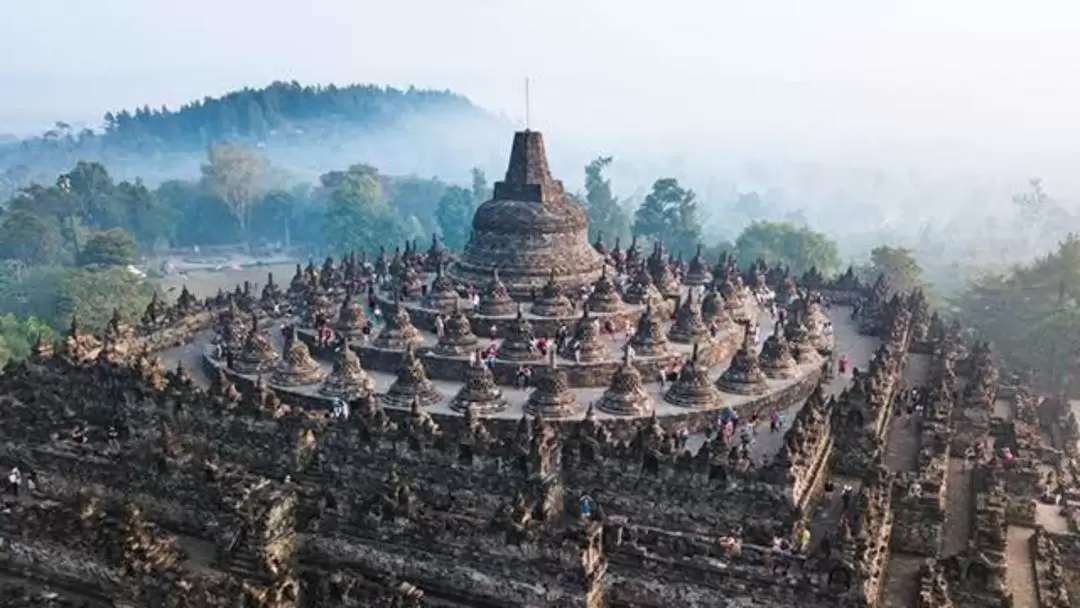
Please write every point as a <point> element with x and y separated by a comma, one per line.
<point>1020,569</point>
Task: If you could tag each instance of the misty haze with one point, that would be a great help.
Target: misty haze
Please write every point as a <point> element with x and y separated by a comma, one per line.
<point>518,304</point>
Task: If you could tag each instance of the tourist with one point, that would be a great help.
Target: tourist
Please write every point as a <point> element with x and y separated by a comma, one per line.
<point>440,326</point>
<point>845,496</point>
<point>630,353</point>
<point>663,378</point>
<point>341,409</point>
<point>609,328</point>
<point>843,364</point>
<point>774,422</point>
<point>14,480</point>
<point>521,376</point>
<point>714,330</point>
<point>493,331</point>
<point>804,540</point>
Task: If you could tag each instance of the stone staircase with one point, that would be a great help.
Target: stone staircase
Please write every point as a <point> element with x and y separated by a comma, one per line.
<point>1020,568</point>
<point>960,508</point>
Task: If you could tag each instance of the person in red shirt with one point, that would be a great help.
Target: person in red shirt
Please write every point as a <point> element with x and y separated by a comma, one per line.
<point>843,364</point>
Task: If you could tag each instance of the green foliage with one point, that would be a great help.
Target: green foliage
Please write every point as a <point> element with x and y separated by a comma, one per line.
<point>796,247</point>
<point>897,264</point>
<point>1031,314</point>
<point>670,214</point>
<point>357,215</point>
<point>113,247</point>
<point>238,177</point>
<point>28,238</point>
<point>454,215</point>
<point>606,214</point>
<point>54,293</point>
<point>17,337</point>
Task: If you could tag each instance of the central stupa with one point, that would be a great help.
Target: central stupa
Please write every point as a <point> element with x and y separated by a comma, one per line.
<point>529,230</point>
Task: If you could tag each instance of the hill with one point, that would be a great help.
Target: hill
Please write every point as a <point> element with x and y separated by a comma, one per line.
<point>305,130</point>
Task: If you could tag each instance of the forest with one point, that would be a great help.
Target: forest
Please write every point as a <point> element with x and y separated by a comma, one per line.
<point>66,239</point>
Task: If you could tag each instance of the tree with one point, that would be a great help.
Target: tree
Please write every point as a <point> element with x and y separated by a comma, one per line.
<point>28,238</point>
<point>93,192</point>
<point>357,217</point>
<point>480,190</point>
<point>670,213</point>
<point>237,176</point>
<point>1032,315</point>
<point>606,215</point>
<point>454,215</point>
<point>796,247</point>
<point>53,294</point>
<point>897,264</point>
<point>114,247</point>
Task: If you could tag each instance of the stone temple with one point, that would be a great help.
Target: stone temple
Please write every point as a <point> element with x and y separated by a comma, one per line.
<point>240,478</point>
<point>530,230</point>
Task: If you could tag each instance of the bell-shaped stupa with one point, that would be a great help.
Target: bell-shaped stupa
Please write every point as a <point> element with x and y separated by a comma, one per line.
<point>351,319</point>
<point>495,301</point>
<point>399,331</point>
<point>348,379</point>
<point>552,302</point>
<point>530,229</point>
<point>688,327</point>
<point>693,389</point>
<point>412,383</point>
<point>480,392</point>
<point>443,294</point>
<point>744,375</point>
<point>626,396</point>
<point>457,339</point>
<point>258,353</point>
<point>587,345</point>
<point>297,367</point>
<point>649,339</point>
<point>552,397</point>
<point>605,296</point>
<point>775,358</point>
<point>518,345</point>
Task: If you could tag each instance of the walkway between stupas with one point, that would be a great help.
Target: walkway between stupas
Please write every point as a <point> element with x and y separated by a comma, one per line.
<point>901,586</point>
<point>1020,567</point>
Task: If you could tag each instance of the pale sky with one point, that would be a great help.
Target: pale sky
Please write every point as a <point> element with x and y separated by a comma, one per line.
<point>978,83</point>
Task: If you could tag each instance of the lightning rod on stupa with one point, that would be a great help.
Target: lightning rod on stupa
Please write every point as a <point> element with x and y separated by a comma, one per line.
<point>526,104</point>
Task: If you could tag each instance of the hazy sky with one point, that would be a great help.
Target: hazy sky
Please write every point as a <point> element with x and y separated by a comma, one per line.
<point>970,82</point>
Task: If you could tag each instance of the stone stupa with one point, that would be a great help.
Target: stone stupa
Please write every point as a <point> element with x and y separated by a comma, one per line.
<point>692,389</point>
<point>662,277</point>
<point>697,273</point>
<point>530,230</point>
<point>744,376</point>
<point>641,289</point>
<point>495,301</point>
<point>297,367</point>
<point>480,392</point>
<point>348,379</point>
<point>458,339</point>
<point>587,341</point>
<point>442,295</point>
<point>649,339</point>
<point>799,338</point>
<point>605,296</point>
<point>688,327</point>
<point>775,357</point>
<point>351,318</point>
<point>258,354</point>
<point>552,397</point>
<point>412,383</point>
<point>626,395</point>
<point>714,309</point>
<point>518,344</point>
<point>552,302</point>
<point>399,332</point>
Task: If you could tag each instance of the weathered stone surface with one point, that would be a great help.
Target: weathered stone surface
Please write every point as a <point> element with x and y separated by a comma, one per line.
<point>297,367</point>
<point>626,396</point>
<point>518,343</point>
<point>479,394</point>
<point>649,339</point>
<point>458,339</point>
<point>552,397</point>
<point>605,296</point>
<point>258,355</point>
<point>348,379</point>
<point>775,358</point>
<point>399,331</point>
<point>411,384</point>
<point>530,230</point>
<point>688,327</point>
<point>693,389</point>
<point>552,302</point>
<point>743,376</point>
